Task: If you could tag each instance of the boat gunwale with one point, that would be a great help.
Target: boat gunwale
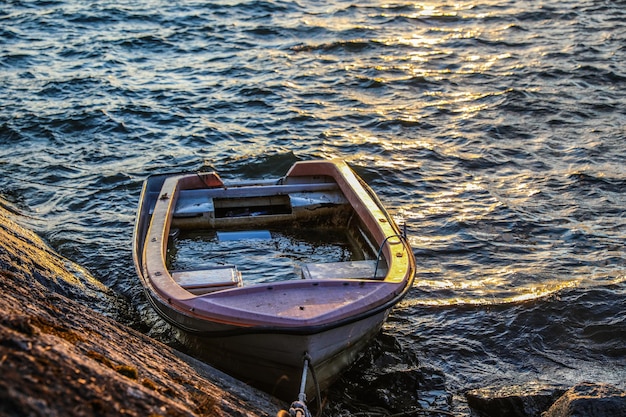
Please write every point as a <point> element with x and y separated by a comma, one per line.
<point>163,304</point>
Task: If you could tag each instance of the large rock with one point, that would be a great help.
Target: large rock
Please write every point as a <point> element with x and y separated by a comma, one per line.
<point>388,379</point>
<point>590,400</point>
<point>539,400</point>
<point>528,400</point>
<point>59,357</point>
<point>26,258</point>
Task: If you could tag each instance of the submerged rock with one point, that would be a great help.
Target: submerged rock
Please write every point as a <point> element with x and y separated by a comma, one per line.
<point>61,357</point>
<point>590,400</point>
<point>386,380</point>
<point>529,400</point>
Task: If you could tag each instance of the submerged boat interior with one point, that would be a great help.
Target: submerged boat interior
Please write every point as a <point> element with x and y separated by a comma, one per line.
<point>254,233</point>
<point>270,271</point>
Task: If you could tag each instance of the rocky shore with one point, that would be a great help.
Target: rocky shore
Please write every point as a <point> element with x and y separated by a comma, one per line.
<point>538,400</point>
<point>389,381</point>
<point>63,354</point>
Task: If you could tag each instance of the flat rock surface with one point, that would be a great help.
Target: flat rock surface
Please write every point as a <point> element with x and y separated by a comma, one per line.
<point>61,357</point>
<point>540,400</point>
<point>590,400</point>
<point>528,400</point>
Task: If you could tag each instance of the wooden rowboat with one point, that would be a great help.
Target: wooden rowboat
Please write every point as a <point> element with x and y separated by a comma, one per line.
<point>259,326</point>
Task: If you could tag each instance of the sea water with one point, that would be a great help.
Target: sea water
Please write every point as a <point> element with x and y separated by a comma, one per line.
<point>270,256</point>
<point>494,129</point>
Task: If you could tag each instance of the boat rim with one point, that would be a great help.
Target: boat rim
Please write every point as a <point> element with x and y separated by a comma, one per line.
<point>161,304</point>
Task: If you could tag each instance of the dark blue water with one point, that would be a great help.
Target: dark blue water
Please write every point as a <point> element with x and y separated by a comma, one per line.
<point>496,130</point>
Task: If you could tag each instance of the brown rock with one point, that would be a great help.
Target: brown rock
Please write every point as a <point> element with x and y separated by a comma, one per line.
<point>590,400</point>
<point>59,357</point>
<point>528,400</point>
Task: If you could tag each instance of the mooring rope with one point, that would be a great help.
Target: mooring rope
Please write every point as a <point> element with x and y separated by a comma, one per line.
<point>299,408</point>
<point>318,393</point>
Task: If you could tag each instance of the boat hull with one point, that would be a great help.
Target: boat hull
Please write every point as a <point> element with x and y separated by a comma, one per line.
<point>273,359</point>
<point>274,362</point>
<point>261,333</point>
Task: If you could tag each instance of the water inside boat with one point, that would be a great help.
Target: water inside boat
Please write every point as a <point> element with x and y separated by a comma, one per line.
<point>263,256</point>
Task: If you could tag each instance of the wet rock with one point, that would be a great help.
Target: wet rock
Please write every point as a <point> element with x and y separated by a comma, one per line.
<point>395,390</point>
<point>61,357</point>
<point>590,400</point>
<point>528,400</point>
<point>387,380</point>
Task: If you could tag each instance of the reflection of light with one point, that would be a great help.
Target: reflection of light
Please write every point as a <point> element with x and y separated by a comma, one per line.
<point>456,281</point>
<point>481,292</point>
<point>463,102</point>
<point>454,204</point>
<point>427,10</point>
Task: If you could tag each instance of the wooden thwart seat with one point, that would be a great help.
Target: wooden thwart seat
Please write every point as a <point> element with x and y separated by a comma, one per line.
<point>344,270</point>
<point>202,281</point>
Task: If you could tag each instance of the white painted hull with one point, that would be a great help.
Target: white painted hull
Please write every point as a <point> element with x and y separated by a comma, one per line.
<point>262,332</point>
<point>274,362</point>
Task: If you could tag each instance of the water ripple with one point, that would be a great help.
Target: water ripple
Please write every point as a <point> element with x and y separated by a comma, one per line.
<point>494,130</point>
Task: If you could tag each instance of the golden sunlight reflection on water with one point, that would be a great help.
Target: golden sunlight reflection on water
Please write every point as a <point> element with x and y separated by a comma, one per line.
<point>492,289</point>
<point>450,281</point>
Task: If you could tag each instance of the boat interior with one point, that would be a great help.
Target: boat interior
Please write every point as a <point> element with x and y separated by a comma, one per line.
<point>225,238</point>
